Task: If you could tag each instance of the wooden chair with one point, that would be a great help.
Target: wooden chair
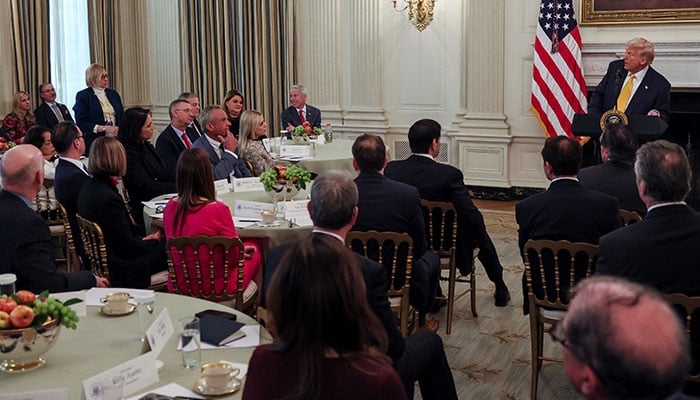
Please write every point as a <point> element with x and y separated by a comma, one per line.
<point>96,250</point>
<point>629,217</point>
<point>55,216</point>
<point>687,308</point>
<point>73,261</point>
<point>441,231</point>
<point>552,269</point>
<point>202,279</point>
<point>395,252</point>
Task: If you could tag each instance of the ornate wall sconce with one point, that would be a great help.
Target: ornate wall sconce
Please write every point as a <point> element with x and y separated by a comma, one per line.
<point>420,12</point>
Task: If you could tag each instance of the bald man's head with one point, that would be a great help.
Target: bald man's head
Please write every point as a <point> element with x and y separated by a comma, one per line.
<point>22,170</point>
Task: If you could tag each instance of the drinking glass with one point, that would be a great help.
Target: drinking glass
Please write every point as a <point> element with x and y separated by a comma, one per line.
<point>190,341</point>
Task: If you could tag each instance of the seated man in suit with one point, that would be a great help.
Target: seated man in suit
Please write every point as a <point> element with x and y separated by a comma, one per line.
<point>387,205</point>
<point>661,251</point>
<point>299,111</point>
<point>632,85</point>
<point>26,250</point>
<point>566,210</point>
<point>622,341</point>
<point>176,137</point>
<point>193,99</point>
<point>50,112</point>
<point>443,182</point>
<point>615,176</point>
<point>419,357</point>
<point>220,145</point>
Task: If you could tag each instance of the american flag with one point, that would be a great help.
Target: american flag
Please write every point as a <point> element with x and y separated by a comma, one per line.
<point>558,87</point>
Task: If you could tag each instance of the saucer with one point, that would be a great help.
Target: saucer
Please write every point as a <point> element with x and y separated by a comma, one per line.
<point>109,312</point>
<point>201,388</point>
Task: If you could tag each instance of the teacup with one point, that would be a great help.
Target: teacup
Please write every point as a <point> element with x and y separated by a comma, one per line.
<point>117,302</point>
<point>268,217</point>
<point>218,375</point>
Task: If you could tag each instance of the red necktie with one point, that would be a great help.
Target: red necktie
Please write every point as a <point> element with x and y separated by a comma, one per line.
<point>186,140</point>
<point>301,116</point>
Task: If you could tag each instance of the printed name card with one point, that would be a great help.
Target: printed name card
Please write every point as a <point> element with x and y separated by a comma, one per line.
<point>160,332</point>
<point>251,209</point>
<point>222,186</point>
<point>53,394</point>
<point>136,374</point>
<point>298,212</point>
<point>295,151</point>
<point>247,185</point>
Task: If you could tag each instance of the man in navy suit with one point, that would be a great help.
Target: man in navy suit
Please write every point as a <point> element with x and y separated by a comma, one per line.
<point>176,137</point>
<point>389,206</point>
<point>566,210</point>
<point>220,145</point>
<point>26,250</point>
<point>418,357</point>
<point>651,92</point>
<point>193,99</point>
<point>299,111</point>
<point>50,112</point>
<point>443,182</point>
<point>663,250</point>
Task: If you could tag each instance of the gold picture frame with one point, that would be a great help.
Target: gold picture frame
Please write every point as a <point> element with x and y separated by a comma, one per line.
<point>609,12</point>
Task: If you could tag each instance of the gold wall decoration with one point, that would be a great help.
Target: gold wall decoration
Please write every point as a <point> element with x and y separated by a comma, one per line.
<point>420,12</point>
<point>608,12</point>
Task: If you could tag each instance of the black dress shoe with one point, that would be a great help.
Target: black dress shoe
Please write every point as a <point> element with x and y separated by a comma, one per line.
<point>437,305</point>
<point>502,297</point>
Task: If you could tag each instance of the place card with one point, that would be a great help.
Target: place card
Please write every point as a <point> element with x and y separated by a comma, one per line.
<point>251,209</point>
<point>239,185</point>
<point>222,186</point>
<point>160,332</point>
<point>137,373</point>
<point>295,151</point>
<point>53,394</point>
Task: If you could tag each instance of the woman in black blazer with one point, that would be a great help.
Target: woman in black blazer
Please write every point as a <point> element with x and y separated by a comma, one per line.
<point>131,260</point>
<point>146,176</point>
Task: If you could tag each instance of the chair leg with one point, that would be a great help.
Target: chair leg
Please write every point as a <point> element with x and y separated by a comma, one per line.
<point>535,351</point>
<point>472,285</point>
<point>451,298</point>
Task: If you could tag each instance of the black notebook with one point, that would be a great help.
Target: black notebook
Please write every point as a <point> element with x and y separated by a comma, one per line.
<point>219,331</point>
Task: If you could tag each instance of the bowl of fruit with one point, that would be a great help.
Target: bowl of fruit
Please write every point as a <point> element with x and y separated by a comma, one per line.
<point>29,327</point>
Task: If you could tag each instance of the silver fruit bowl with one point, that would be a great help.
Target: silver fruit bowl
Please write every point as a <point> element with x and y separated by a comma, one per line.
<point>283,190</point>
<point>22,349</point>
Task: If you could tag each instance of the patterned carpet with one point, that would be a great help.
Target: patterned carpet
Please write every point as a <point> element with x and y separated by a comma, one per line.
<point>490,355</point>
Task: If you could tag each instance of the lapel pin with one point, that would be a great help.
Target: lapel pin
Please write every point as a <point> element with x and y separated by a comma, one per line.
<point>646,87</point>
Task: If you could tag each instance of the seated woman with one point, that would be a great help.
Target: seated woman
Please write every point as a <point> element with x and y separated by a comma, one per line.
<point>195,212</point>
<point>322,328</point>
<point>16,124</point>
<point>250,146</point>
<point>132,260</point>
<point>233,105</point>
<point>40,137</point>
<point>146,176</point>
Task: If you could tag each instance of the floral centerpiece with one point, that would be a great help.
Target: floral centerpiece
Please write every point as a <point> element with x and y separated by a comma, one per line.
<point>29,326</point>
<point>301,133</point>
<point>285,182</point>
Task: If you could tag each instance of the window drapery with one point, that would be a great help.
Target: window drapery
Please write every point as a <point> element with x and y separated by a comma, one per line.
<point>30,38</point>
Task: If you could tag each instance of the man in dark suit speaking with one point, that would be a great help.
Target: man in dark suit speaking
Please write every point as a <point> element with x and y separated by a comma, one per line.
<point>632,85</point>
<point>299,111</point>
<point>50,112</point>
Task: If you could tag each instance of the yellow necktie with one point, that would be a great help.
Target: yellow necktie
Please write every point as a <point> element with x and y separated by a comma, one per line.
<point>625,94</point>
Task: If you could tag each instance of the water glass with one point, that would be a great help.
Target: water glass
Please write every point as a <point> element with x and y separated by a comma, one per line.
<point>146,307</point>
<point>190,341</point>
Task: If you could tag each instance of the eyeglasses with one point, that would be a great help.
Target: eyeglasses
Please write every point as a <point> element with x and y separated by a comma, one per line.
<point>79,137</point>
<point>557,334</point>
<point>104,76</point>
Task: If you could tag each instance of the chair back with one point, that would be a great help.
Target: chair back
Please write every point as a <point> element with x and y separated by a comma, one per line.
<point>72,259</point>
<point>440,227</point>
<point>46,205</point>
<point>93,241</point>
<point>553,268</point>
<point>202,266</point>
<point>687,309</point>
<point>629,217</point>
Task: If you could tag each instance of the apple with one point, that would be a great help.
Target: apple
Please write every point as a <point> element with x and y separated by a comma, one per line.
<point>4,320</point>
<point>26,297</point>
<point>2,139</point>
<point>7,304</point>
<point>22,316</point>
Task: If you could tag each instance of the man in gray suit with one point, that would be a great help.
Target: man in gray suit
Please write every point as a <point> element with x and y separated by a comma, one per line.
<point>220,144</point>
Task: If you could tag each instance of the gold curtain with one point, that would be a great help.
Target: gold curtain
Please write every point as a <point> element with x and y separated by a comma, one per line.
<point>30,38</point>
<point>103,28</point>
<point>245,45</point>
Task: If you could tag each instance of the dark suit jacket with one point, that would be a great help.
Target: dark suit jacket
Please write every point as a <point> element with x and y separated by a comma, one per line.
<point>662,251</point>
<point>653,93</point>
<point>565,211</point>
<point>443,182</point>
<point>131,260</point>
<point>27,252</point>
<point>290,115</point>
<point>88,113</point>
<point>615,180</point>
<point>169,146</point>
<point>45,115</point>
<point>375,284</point>
<point>226,164</point>
<point>68,181</point>
<point>146,177</point>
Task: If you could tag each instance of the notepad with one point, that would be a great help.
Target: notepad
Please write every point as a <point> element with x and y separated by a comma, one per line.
<point>219,331</point>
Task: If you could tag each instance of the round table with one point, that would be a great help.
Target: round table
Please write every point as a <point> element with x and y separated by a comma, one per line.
<point>335,155</point>
<point>102,342</point>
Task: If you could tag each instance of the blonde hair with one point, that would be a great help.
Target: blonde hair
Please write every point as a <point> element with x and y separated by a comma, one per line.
<point>250,119</point>
<point>93,74</point>
<point>107,157</point>
<point>16,97</point>
<point>645,47</point>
